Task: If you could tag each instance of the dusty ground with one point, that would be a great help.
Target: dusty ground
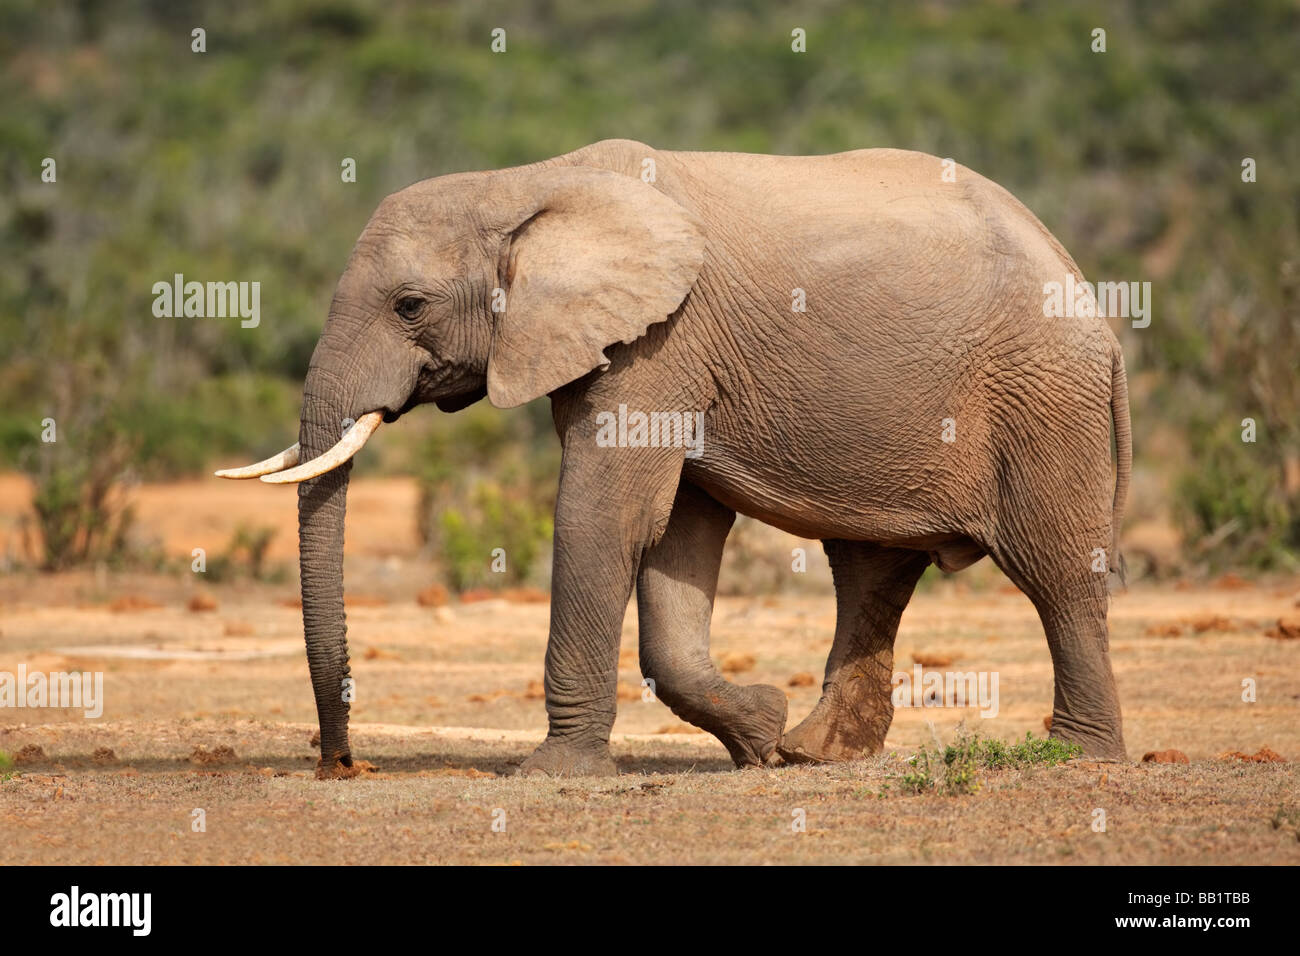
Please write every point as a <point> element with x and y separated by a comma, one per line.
<point>449,700</point>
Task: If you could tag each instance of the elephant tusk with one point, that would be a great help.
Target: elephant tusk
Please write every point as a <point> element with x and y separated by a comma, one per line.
<point>348,445</point>
<point>286,459</point>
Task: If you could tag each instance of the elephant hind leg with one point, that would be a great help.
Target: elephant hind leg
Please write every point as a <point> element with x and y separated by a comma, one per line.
<point>675,590</point>
<point>872,586</point>
<point>1065,578</point>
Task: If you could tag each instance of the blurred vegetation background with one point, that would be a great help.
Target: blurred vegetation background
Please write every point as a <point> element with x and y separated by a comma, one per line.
<point>225,165</point>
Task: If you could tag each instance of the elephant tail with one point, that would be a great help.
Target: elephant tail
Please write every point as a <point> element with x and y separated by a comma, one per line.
<point>1123,455</point>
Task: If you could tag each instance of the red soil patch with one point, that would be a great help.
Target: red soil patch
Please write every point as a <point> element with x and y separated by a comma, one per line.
<point>1263,755</point>
<point>133,602</point>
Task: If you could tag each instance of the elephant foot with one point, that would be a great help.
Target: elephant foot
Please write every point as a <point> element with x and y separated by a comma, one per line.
<point>753,732</point>
<point>557,757</point>
<point>833,734</point>
<point>342,767</point>
<point>1100,745</point>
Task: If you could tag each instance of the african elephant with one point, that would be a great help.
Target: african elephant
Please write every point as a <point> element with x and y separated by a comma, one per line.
<point>863,340</point>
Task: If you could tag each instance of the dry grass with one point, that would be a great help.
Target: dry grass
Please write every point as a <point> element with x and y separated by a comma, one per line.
<point>179,683</point>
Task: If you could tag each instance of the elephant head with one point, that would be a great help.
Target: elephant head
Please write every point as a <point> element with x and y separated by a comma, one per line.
<point>507,284</point>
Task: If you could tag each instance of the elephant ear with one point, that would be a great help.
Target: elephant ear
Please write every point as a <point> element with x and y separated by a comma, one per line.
<point>590,258</point>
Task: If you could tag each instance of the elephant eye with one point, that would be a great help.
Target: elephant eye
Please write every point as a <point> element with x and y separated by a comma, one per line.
<point>409,307</point>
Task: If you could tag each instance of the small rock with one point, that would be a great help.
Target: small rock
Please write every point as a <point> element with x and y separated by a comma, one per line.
<point>802,679</point>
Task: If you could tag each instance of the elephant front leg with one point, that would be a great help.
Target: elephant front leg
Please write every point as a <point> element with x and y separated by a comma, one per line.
<point>610,509</point>
<point>675,591</point>
<point>872,586</point>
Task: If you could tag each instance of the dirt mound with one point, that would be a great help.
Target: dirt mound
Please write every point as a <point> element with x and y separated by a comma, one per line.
<point>1287,629</point>
<point>1263,755</point>
<point>202,602</point>
<point>1165,756</point>
<point>736,662</point>
<point>932,660</point>
<point>30,753</point>
<point>219,754</point>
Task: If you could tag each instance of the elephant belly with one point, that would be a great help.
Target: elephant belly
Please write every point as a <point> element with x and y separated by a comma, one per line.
<point>886,509</point>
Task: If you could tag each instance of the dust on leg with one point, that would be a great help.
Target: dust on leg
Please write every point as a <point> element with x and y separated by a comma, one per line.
<point>872,586</point>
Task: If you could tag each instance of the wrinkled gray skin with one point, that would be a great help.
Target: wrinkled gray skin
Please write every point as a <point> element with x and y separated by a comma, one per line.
<point>924,303</point>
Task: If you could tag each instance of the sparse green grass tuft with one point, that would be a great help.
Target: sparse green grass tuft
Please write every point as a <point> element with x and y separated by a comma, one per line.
<point>1032,751</point>
<point>954,769</point>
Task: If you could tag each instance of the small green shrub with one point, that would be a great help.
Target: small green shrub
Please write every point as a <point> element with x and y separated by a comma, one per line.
<point>1232,504</point>
<point>79,502</point>
<point>245,556</point>
<point>1040,751</point>
<point>920,779</point>
<point>954,769</point>
<point>488,481</point>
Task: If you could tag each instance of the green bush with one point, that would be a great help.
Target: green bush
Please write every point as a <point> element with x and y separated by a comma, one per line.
<point>225,166</point>
<point>487,481</point>
<point>1232,504</point>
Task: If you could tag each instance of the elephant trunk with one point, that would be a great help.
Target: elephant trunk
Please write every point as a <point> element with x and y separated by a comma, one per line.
<point>322,503</point>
